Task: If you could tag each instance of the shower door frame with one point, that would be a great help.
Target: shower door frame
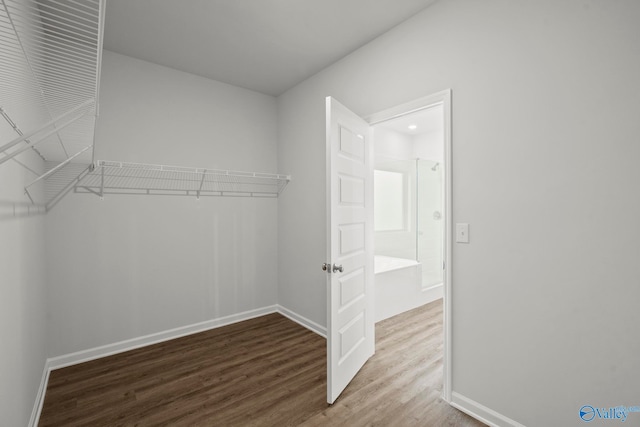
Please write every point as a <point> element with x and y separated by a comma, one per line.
<point>442,98</point>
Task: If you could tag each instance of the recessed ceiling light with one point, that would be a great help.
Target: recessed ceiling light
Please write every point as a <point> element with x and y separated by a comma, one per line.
<point>413,127</point>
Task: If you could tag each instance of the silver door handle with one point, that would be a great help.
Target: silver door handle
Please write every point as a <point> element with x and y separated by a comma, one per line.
<point>337,268</point>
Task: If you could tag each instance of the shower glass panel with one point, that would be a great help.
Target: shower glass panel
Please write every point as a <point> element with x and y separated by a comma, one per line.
<point>429,219</point>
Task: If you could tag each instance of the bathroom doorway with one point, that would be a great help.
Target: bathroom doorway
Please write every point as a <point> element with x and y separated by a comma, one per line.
<point>408,211</point>
<point>412,208</point>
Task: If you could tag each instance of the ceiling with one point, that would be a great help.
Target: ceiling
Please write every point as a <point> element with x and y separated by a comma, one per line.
<point>264,45</point>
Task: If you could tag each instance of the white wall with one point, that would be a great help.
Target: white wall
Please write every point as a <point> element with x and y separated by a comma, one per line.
<point>390,145</point>
<point>429,146</point>
<point>545,152</point>
<point>22,288</point>
<point>129,266</point>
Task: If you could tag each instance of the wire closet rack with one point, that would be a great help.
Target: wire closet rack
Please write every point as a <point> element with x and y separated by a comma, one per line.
<point>108,177</point>
<point>50,58</point>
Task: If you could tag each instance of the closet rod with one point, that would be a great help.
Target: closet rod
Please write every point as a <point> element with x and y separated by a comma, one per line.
<point>17,209</point>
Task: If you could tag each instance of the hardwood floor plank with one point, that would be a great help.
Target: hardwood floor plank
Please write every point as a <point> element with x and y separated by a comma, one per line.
<point>267,371</point>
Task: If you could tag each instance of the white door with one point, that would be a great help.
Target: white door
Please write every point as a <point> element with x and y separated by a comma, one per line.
<point>350,320</point>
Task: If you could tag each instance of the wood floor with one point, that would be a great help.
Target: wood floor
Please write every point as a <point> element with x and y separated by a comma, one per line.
<point>267,371</point>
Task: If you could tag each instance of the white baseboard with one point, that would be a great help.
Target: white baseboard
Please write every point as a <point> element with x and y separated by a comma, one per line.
<point>481,412</point>
<point>309,324</point>
<point>37,407</point>
<point>434,292</point>
<point>131,344</point>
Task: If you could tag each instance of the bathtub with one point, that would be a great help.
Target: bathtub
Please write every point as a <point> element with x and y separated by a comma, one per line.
<point>398,286</point>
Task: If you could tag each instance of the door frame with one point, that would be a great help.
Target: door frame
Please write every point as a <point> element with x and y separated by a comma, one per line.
<point>440,98</point>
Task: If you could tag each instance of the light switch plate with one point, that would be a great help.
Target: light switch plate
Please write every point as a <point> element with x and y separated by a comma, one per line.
<point>462,232</point>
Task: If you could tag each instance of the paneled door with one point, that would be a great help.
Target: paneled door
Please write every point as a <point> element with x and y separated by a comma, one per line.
<point>349,266</point>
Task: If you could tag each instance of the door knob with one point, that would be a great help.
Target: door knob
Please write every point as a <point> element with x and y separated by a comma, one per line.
<point>337,268</point>
<point>325,266</point>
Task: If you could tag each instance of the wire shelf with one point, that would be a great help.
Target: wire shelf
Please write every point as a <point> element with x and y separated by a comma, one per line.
<point>108,177</point>
<point>50,58</point>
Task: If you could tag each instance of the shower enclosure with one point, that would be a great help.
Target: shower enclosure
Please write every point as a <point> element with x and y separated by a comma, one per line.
<point>430,226</point>
<point>408,214</point>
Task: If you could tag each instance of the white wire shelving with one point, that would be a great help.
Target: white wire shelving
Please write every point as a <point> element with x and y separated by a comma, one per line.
<point>50,58</point>
<point>108,177</point>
